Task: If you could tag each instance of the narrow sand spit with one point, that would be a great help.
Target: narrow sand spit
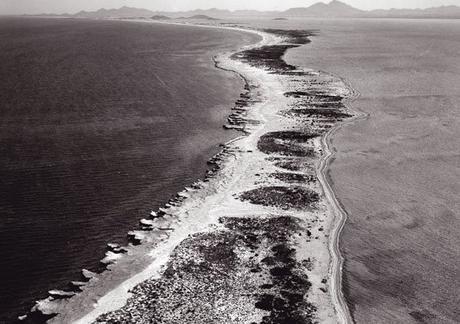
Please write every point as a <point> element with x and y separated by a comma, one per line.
<point>257,240</point>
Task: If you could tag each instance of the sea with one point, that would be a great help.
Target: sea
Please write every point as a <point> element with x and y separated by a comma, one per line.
<point>100,123</point>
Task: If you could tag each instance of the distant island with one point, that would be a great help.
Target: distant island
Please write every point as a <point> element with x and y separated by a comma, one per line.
<point>333,9</point>
<point>202,17</point>
<point>160,17</point>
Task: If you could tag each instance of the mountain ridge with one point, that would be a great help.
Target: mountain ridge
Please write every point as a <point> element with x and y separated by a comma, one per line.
<point>320,9</point>
<point>333,9</point>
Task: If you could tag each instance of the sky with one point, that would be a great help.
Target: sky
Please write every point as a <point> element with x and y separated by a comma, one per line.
<point>72,6</point>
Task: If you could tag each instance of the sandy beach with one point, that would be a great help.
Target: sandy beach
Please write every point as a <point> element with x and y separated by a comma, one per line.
<point>257,240</point>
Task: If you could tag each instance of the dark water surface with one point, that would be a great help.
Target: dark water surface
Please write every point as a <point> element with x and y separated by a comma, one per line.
<point>100,122</point>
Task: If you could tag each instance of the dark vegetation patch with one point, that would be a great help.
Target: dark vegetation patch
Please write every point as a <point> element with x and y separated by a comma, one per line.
<point>318,105</point>
<point>297,94</point>
<point>301,137</point>
<point>324,98</point>
<point>285,296</point>
<point>268,57</point>
<point>293,36</point>
<point>202,271</point>
<point>208,278</point>
<point>319,112</point>
<point>281,197</point>
<point>293,177</point>
<point>295,73</point>
<point>290,163</point>
<point>311,97</point>
<point>256,230</point>
<point>286,143</point>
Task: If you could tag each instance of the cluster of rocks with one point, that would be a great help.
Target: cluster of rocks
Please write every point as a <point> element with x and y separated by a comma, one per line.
<point>238,118</point>
<point>40,314</point>
<point>215,163</point>
<point>156,227</point>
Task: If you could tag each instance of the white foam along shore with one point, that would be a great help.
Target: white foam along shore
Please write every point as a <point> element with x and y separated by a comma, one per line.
<point>242,167</point>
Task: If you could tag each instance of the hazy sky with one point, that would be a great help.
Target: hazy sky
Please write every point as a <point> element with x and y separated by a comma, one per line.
<point>71,6</point>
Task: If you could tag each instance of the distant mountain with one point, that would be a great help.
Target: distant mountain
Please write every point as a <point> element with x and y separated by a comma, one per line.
<point>202,17</point>
<point>160,17</point>
<point>436,12</point>
<point>333,9</point>
<point>255,13</point>
<point>213,12</point>
<point>123,12</point>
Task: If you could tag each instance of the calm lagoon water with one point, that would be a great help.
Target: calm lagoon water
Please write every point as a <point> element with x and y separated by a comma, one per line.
<point>397,173</point>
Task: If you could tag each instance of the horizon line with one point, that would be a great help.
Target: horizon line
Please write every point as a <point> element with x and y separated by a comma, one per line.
<point>230,10</point>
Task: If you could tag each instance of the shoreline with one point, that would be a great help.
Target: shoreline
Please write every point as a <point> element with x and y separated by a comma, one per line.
<point>338,259</point>
<point>162,255</point>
